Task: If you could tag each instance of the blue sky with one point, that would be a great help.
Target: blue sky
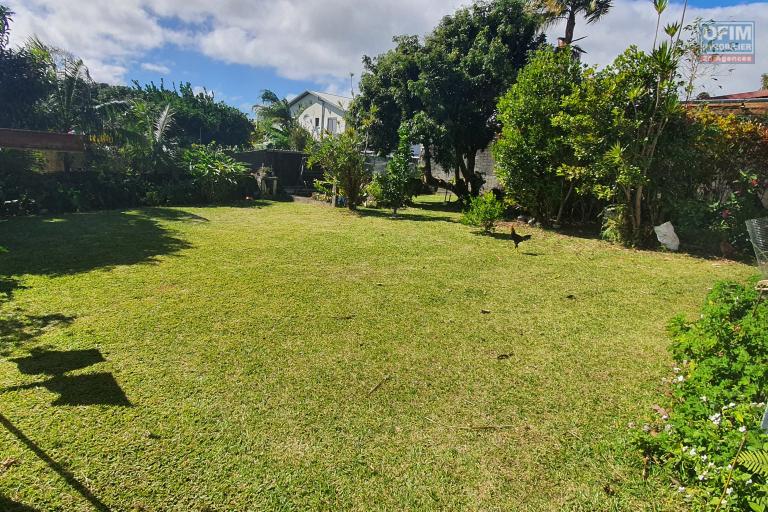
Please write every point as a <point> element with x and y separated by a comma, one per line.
<point>236,48</point>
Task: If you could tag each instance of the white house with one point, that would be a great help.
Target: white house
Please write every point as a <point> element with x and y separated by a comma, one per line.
<point>320,112</point>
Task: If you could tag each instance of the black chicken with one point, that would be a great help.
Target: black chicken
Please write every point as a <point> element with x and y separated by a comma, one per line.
<point>517,238</point>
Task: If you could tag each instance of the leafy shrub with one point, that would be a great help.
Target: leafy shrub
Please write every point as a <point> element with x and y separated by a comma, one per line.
<point>343,163</point>
<point>395,183</point>
<point>532,154</point>
<point>483,211</point>
<point>215,174</point>
<point>374,190</point>
<point>702,436</point>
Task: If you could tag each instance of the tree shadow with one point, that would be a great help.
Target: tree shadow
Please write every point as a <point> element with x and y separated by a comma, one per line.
<point>81,242</point>
<point>16,328</point>
<point>89,389</point>
<point>8,505</point>
<point>172,214</point>
<point>433,206</point>
<point>404,215</point>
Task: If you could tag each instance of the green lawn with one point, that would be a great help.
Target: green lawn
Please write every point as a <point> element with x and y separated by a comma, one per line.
<point>290,356</point>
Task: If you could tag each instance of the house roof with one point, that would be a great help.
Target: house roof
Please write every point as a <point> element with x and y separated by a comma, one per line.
<point>333,99</point>
<point>752,95</point>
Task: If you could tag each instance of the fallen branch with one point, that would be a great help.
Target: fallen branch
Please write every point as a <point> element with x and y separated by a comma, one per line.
<point>377,386</point>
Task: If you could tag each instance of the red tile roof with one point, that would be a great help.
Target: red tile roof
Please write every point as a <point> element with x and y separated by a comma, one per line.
<point>763,93</point>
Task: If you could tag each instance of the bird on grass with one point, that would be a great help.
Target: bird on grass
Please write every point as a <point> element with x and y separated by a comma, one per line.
<point>517,238</point>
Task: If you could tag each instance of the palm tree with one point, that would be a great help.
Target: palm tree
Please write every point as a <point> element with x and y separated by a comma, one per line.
<point>568,10</point>
<point>6,16</point>
<point>277,126</point>
<point>70,104</point>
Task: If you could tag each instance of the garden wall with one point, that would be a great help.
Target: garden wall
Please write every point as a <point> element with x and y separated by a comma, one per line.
<point>288,166</point>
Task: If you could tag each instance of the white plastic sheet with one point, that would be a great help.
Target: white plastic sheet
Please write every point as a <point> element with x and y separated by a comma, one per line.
<point>667,236</point>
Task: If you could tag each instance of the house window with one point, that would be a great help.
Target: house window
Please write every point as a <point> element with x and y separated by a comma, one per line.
<point>331,125</point>
<point>317,122</point>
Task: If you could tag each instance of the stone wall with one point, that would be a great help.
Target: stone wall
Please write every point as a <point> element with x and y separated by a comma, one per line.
<point>484,165</point>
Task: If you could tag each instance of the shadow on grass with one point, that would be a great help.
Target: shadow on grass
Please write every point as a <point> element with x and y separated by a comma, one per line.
<point>89,389</point>
<point>17,328</point>
<point>8,505</point>
<point>63,472</point>
<point>81,242</point>
<point>438,206</point>
<point>73,390</point>
<point>405,214</point>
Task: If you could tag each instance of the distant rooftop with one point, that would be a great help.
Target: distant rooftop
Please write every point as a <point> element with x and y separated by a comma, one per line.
<point>333,99</point>
<point>753,95</point>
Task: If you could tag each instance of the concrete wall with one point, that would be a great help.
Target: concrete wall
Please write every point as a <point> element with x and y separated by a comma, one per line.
<point>484,164</point>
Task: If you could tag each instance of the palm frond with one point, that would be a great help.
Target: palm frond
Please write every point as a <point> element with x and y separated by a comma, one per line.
<point>163,124</point>
<point>755,461</point>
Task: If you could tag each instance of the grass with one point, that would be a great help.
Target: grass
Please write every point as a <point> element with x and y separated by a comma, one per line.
<point>290,356</point>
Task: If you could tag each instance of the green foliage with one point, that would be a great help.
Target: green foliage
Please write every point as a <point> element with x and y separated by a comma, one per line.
<point>276,128</point>
<point>395,183</point>
<point>450,85</point>
<point>483,211</point>
<point>534,163</point>
<point>24,80</point>
<point>342,161</point>
<point>717,397</point>
<point>755,461</point>
<point>199,118</point>
<point>214,174</point>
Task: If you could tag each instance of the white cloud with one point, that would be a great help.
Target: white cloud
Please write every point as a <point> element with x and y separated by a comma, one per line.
<point>155,68</point>
<point>313,40</point>
<point>634,22</point>
<point>108,35</point>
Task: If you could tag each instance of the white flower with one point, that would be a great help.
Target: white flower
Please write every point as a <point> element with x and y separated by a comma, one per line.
<point>731,405</point>
<point>681,489</point>
<point>680,378</point>
<point>729,490</point>
<point>703,398</point>
<point>703,458</point>
<point>715,418</point>
<point>711,465</point>
<point>693,451</point>
<point>742,428</point>
<point>667,427</point>
<point>665,417</point>
<point>676,369</point>
<point>729,467</point>
<point>749,482</point>
<point>703,475</point>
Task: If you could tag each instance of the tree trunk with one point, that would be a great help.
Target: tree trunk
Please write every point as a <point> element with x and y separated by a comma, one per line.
<point>560,211</point>
<point>429,179</point>
<point>570,26</point>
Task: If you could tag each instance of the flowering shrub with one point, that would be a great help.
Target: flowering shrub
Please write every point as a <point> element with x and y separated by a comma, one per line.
<point>711,417</point>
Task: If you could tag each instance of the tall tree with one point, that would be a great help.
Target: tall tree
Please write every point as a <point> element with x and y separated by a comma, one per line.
<point>448,86</point>
<point>69,107</point>
<point>569,10</point>
<point>24,80</point>
<point>276,127</point>
<point>764,80</point>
